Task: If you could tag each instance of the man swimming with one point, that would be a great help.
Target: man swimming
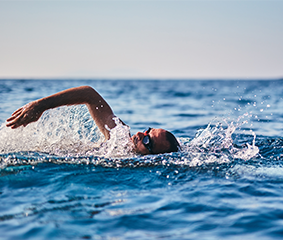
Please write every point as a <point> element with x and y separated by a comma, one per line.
<point>152,141</point>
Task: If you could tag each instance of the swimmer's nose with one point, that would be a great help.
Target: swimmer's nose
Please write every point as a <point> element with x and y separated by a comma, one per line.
<point>140,135</point>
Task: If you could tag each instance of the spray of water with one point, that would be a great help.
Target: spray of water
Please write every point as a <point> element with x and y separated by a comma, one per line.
<point>62,131</point>
<point>215,144</point>
<point>69,135</point>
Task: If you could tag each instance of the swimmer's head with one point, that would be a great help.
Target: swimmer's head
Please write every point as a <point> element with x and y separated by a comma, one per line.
<point>155,141</point>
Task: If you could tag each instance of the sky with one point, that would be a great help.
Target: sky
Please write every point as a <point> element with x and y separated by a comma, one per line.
<point>141,39</point>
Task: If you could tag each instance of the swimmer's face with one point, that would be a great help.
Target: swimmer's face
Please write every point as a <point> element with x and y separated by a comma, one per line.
<point>158,142</point>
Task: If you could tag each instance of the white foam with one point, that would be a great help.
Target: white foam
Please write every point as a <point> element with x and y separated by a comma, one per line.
<point>215,144</point>
<point>71,132</point>
<point>65,131</point>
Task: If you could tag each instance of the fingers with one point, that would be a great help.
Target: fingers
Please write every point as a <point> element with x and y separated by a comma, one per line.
<point>14,123</point>
<point>22,117</point>
<point>15,114</point>
<point>17,111</point>
<point>16,120</point>
<point>11,118</point>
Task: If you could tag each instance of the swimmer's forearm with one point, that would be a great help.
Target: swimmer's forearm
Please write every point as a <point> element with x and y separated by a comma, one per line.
<point>72,96</point>
<point>97,106</point>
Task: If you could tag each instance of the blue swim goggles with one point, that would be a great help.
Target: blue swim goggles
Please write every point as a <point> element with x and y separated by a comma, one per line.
<point>147,141</point>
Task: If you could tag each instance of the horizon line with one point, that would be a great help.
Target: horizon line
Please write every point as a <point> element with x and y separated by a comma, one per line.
<point>145,78</point>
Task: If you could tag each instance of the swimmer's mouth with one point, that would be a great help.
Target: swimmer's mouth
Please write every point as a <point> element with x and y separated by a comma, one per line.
<point>135,140</point>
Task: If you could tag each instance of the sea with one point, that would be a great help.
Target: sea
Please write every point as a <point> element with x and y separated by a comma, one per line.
<point>59,179</point>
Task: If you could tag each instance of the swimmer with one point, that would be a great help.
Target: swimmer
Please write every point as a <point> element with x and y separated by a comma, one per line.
<point>152,141</point>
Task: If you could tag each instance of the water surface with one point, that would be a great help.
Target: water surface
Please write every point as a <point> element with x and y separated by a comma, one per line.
<point>226,183</point>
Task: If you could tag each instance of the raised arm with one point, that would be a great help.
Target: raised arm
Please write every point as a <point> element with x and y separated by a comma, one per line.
<point>97,106</point>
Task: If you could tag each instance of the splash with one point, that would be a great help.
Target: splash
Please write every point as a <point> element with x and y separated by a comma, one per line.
<point>215,144</point>
<point>65,132</point>
<point>119,145</point>
<point>69,135</point>
<point>62,131</point>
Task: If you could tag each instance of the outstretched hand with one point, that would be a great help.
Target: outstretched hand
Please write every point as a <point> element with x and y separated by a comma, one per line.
<point>29,113</point>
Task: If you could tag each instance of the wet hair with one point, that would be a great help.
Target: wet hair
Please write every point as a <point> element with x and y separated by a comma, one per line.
<point>174,144</point>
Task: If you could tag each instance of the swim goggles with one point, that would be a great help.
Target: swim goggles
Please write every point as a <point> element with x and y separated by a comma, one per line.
<point>147,141</point>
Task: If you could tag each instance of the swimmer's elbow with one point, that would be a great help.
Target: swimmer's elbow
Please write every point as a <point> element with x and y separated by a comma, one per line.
<point>91,95</point>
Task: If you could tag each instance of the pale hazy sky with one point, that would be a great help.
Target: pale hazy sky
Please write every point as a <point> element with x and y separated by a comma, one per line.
<point>141,39</point>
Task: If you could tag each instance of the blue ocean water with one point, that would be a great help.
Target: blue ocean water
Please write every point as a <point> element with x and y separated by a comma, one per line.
<point>226,183</point>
